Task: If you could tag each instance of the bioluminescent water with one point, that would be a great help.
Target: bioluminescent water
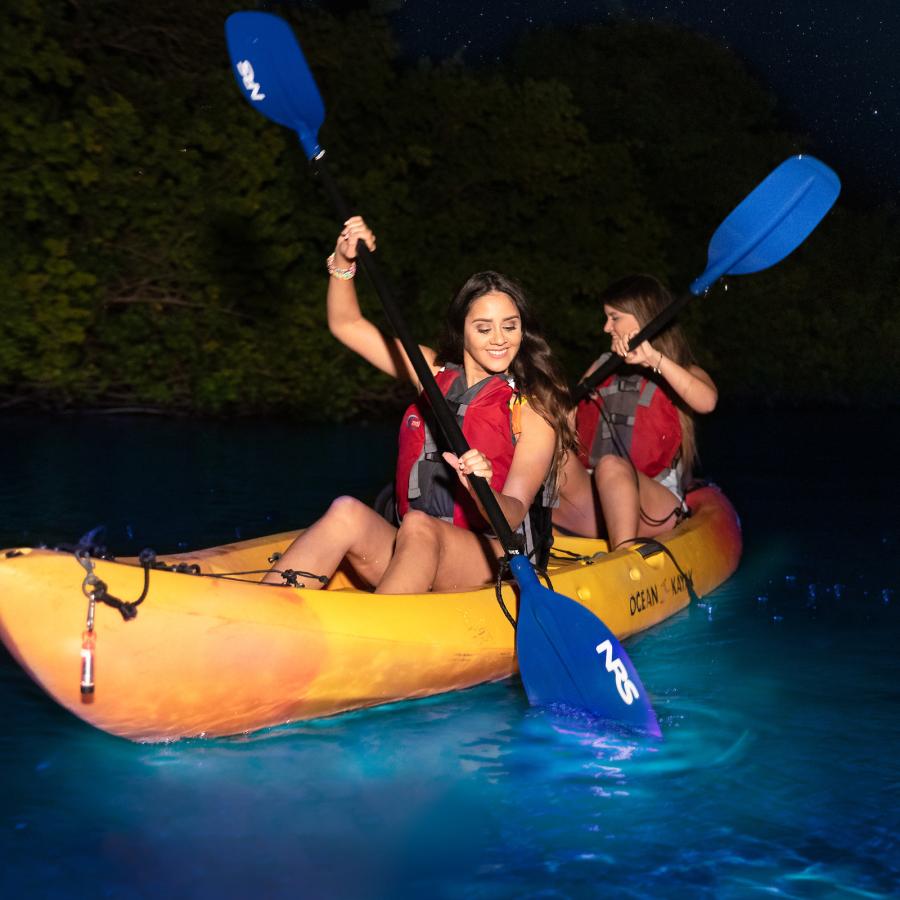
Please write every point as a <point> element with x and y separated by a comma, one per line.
<point>778,697</point>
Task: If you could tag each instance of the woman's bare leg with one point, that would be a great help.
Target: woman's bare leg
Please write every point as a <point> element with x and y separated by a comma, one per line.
<point>579,505</point>
<point>622,498</point>
<point>430,554</point>
<point>349,528</point>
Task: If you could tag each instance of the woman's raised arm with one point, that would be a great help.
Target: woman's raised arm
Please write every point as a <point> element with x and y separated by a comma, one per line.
<point>345,319</point>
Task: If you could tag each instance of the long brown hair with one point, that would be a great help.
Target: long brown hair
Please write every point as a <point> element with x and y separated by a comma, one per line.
<point>643,296</point>
<point>535,371</point>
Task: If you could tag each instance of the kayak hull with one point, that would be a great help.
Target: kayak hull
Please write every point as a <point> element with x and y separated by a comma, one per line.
<point>211,657</point>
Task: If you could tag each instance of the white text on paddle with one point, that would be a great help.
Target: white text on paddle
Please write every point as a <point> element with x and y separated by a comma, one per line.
<point>245,70</point>
<point>624,685</point>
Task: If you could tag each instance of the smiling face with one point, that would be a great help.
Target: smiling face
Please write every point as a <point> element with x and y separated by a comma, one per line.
<point>492,335</point>
<point>618,323</point>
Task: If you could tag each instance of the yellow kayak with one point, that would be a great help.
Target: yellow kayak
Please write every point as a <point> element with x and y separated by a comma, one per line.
<point>208,655</point>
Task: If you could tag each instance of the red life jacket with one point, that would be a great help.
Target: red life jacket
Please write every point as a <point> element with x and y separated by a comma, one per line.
<point>643,416</point>
<point>424,480</point>
<point>488,414</point>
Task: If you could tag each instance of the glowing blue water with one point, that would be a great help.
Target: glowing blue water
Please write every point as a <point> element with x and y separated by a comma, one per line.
<point>778,699</point>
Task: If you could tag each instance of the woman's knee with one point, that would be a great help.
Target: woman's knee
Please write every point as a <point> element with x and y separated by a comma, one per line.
<point>418,526</point>
<point>348,512</point>
<point>610,467</point>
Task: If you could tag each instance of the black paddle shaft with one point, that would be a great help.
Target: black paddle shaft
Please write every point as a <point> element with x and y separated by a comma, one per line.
<point>512,543</point>
<point>648,332</point>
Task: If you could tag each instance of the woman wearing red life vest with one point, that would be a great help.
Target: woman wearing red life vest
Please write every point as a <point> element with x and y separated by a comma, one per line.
<point>512,404</point>
<point>636,430</point>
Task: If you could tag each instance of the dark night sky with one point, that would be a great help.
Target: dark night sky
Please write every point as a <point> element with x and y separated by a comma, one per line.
<point>833,64</point>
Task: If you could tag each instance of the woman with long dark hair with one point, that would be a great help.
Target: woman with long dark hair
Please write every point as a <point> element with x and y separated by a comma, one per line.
<point>636,430</point>
<point>512,403</point>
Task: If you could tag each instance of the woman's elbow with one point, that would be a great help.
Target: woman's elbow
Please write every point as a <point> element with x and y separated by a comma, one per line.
<point>515,511</point>
<point>708,402</point>
<point>340,329</point>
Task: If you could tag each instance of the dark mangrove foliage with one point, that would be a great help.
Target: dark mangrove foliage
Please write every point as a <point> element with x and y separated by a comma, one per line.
<point>163,245</point>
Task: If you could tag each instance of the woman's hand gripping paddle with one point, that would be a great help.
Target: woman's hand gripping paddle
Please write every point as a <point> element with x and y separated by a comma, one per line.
<point>768,224</point>
<point>567,656</point>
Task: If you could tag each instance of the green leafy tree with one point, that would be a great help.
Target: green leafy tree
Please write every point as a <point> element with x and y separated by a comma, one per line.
<point>163,244</point>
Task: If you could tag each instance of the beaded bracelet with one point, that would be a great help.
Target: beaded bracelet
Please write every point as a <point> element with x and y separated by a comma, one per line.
<point>335,272</point>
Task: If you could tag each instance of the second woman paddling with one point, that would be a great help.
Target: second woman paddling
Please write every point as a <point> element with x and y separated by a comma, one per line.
<point>636,431</point>
<point>511,402</point>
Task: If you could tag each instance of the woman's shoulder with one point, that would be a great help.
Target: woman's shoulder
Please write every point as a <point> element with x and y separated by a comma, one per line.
<point>529,419</point>
<point>602,358</point>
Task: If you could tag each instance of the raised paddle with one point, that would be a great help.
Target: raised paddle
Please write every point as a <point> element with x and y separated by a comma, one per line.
<point>770,222</point>
<point>566,654</point>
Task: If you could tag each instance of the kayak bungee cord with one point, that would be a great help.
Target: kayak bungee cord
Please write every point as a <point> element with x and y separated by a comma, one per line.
<point>291,578</point>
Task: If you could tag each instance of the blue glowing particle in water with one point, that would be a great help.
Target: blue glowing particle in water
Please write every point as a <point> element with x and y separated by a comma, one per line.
<point>762,599</point>
<point>887,595</point>
<point>790,579</point>
<point>811,596</point>
<point>838,590</point>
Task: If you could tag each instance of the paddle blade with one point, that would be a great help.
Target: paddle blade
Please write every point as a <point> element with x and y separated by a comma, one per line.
<point>771,221</point>
<point>568,656</point>
<point>272,73</point>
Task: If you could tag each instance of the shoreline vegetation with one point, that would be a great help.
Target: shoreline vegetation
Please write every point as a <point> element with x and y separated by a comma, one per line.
<point>163,247</point>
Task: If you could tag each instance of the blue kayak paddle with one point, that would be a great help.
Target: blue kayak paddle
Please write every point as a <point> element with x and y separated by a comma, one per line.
<point>768,224</point>
<point>566,654</point>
